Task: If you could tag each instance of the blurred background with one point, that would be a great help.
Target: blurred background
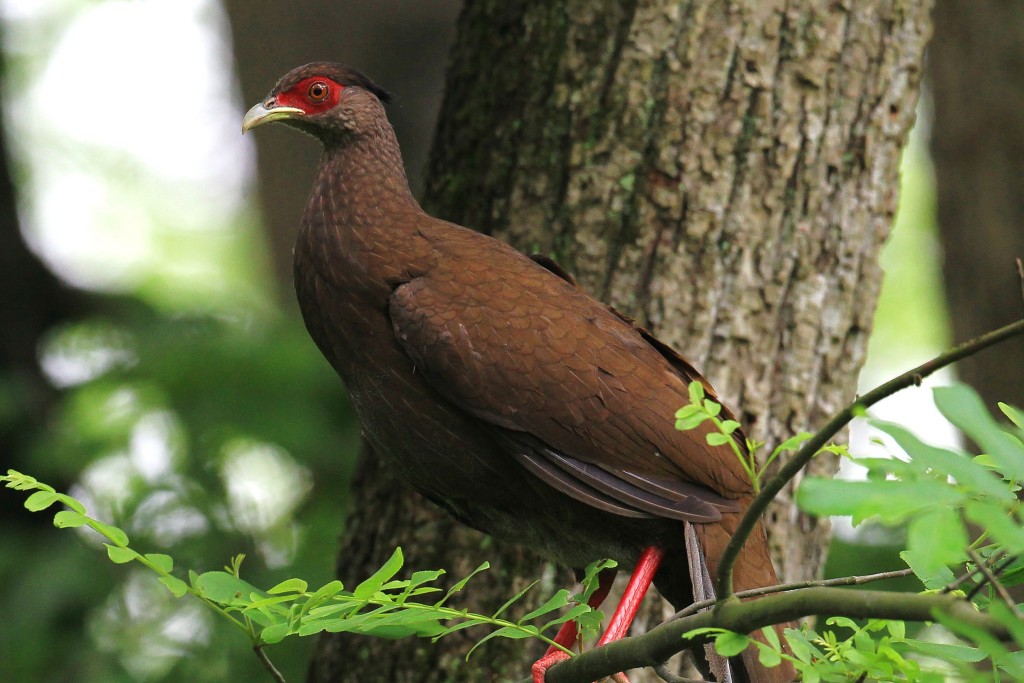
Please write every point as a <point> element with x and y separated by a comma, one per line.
<point>154,363</point>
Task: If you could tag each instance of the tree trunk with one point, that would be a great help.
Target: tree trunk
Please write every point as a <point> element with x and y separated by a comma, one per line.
<point>725,172</point>
<point>976,69</point>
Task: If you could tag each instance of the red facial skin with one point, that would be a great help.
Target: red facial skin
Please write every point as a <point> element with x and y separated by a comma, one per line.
<point>313,95</point>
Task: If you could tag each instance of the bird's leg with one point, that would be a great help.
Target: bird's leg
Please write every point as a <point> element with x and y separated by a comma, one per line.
<point>569,633</point>
<point>619,624</point>
<point>637,587</point>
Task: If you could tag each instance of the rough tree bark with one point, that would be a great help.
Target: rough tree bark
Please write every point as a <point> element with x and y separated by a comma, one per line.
<point>976,72</point>
<point>725,172</point>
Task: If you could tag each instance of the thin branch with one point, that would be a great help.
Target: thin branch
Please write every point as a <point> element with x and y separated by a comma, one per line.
<point>665,640</point>
<point>1020,274</point>
<point>785,587</point>
<point>268,665</point>
<point>811,447</point>
<point>664,674</point>
<point>996,583</point>
<point>950,587</point>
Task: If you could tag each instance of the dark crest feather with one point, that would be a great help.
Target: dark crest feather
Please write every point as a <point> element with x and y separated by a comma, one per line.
<point>339,73</point>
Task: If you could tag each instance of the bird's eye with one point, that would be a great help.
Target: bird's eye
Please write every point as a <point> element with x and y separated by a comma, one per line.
<point>318,91</point>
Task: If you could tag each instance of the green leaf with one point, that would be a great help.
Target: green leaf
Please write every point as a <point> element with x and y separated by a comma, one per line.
<point>792,443</point>
<point>461,583</point>
<point>261,604</point>
<point>1014,415</point>
<point>116,535</point>
<point>322,595</point>
<point>571,614</point>
<point>729,426</point>
<point>947,462</point>
<point>997,520</point>
<point>842,622</point>
<point>373,584</point>
<point>692,422</point>
<point>890,501</point>
<point>962,406</point>
<point>730,644</point>
<point>177,587</point>
<point>162,562</point>
<point>711,408</point>
<point>688,410</point>
<point>798,645</point>
<point>897,629</point>
<point>68,519</point>
<point>772,637</point>
<point>717,439</point>
<point>289,586</point>
<point>274,633</point>
<point>224,588</point>
<point>72,503</point>
<point>769,657</point>
<point>696,391</point>
<point>937,539</point>
<point>932,580</point>
<point>1013,664</point>
<point>556,601</point>
<point>592,577</point>
<point>425,576</point>
<point>119,555</point>
<point>40,500</point>
<point>1013,575</point>
<point>983,638</point>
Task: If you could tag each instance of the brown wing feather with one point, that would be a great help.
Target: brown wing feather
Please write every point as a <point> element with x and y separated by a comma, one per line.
<point>524,350</point>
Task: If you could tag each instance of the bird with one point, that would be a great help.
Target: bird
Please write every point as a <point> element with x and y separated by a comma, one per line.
<point>495,385</point>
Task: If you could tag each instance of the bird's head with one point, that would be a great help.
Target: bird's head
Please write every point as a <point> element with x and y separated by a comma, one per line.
<point>329,101</point>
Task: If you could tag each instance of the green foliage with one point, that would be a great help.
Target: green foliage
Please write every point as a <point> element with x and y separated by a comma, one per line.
<point>701,409</point>
<point>191,433</point>
<point>937,491</point>
<point>936,494</point>
<point>382,605</point>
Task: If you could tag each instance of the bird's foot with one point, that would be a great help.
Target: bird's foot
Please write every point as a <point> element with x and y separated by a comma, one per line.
<point>541,666</point>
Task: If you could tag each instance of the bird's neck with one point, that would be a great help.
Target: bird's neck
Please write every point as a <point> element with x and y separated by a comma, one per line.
<point>360,231</point>
<point>364,176</point>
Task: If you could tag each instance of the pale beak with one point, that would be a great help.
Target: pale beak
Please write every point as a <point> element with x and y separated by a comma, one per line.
<point>260,114</point>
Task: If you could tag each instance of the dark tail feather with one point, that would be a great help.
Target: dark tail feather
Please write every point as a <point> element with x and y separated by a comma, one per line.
<point>753,570</point>
<point>703,587</point>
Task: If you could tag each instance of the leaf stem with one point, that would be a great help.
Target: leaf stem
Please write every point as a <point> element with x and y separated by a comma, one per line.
<point>268,665</point>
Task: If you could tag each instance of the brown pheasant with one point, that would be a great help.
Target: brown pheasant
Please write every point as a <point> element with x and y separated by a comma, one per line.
<point>495,386</point>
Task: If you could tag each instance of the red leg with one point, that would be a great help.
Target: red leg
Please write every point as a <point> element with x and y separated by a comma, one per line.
<point>568,634</point>
<point>621,620</point>
<point>643,574</point>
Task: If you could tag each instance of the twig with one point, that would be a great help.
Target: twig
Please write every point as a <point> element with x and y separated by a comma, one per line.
<point>268,665</point>
<point>950,587</point>
<point>784,587</point>
<point>839,420</point>
<point>1020,275</point>
<point>669,677</point>
<point>995,570</point>
<point>996,583</point>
